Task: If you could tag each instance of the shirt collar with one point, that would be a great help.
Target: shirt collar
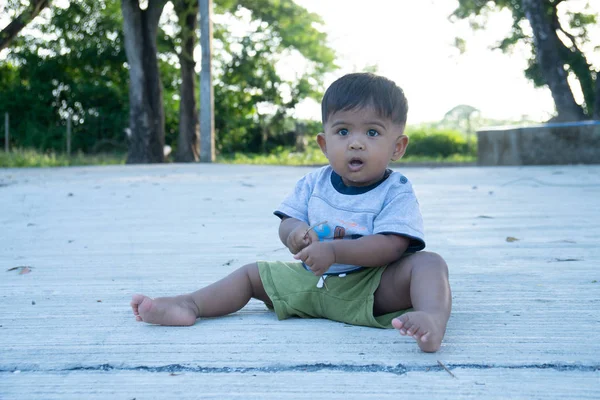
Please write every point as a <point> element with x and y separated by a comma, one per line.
<point>339,185</point>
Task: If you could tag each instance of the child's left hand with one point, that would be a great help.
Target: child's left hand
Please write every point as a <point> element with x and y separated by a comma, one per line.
<point>318,256</point>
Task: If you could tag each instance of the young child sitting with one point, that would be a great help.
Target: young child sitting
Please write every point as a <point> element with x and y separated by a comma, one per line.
<point>354,228</point>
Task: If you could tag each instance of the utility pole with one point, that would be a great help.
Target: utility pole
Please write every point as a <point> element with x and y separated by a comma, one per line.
<point>207,103</point>
<point>69,117</point>
<point>6,134</point>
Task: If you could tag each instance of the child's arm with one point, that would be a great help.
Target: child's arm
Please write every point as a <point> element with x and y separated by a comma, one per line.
<point>368,251</point>
<point>293,234</point>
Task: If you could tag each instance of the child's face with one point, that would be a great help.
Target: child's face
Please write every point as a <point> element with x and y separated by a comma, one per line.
<point>359,145</point>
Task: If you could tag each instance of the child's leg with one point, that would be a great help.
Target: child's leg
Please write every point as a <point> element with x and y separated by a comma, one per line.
<point>223,297</point>
<point>419,281</point>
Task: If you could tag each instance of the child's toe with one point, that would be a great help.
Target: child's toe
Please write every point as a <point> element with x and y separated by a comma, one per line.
<point>397,323</point>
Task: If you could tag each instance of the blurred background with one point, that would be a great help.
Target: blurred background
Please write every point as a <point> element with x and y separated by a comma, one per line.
<point>66,74</point>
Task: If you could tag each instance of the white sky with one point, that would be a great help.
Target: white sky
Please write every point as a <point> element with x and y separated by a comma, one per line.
<point>412,43</point>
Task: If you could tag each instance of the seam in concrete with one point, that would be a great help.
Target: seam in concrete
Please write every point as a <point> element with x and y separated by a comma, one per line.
<point>371,368</point>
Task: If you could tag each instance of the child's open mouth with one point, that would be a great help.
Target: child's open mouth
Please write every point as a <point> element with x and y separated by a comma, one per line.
<point>355,164</point>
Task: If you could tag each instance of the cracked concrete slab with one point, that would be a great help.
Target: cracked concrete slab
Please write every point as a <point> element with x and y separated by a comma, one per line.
<point>525,322</point>
<point>467,384</point>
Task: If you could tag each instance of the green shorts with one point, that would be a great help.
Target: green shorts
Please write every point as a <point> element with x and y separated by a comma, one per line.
<point>350,299</point>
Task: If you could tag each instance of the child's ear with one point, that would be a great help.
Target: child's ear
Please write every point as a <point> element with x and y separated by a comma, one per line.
<point>322,143</point>
<point>400,147</point>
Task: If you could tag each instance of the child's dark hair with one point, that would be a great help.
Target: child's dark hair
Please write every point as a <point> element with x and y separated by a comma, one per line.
<point>360,90</point>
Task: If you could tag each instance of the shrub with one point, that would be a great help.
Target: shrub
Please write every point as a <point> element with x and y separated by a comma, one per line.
<point>436,143</point>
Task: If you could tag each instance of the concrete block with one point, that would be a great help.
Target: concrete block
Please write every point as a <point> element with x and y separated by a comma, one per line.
<point>551,144</point>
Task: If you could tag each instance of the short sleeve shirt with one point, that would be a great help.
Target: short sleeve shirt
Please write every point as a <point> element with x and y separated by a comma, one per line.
<point>346,212</point>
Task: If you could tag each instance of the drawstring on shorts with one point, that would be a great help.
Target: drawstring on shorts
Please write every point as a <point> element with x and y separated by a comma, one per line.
<point>321,281</point>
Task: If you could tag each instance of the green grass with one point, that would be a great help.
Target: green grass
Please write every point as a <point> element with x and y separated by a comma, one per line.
<point>19,158</point>
<point>314,156</point>
<point>280,156</point>
<point>453,158</point>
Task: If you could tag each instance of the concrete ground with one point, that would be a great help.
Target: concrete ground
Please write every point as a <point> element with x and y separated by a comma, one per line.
<point>522,244</point>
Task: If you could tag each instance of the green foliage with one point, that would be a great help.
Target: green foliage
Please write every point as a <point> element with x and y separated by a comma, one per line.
<point>171,82</point>
<point>75,68</point>
<point>278,156</point>
<point>252,99</point>
<point>425,145</point>
<point>20,158</point>
<point>20,13</point>
<point>295,27</point>
<point>437,143</point>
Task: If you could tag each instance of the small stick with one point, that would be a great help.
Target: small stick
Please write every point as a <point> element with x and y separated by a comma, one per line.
<point>446,368</point>
<point>313,226</point>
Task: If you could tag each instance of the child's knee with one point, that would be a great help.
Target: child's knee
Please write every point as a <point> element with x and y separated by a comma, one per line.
<point>258,290</point>
<point>252,271</point>
<point>252,267</point>
<point>429,261</point>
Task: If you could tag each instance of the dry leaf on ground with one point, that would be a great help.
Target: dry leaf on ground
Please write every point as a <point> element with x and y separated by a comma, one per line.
<point>23,269</point>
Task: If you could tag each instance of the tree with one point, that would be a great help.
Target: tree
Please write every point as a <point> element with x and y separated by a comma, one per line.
<point>71,67</point>
<point>75,64</point>
<point>146,113</point>
<point>252,96</point>
<point>188,140</point>
<point>462,118</point>
<point>26,13</point>
<point>246,75</point>
<point>555,45</point>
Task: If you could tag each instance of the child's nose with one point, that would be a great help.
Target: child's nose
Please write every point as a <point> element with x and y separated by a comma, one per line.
<point>356,144</point>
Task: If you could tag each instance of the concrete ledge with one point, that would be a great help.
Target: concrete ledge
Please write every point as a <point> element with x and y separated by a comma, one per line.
<point>551,144</point>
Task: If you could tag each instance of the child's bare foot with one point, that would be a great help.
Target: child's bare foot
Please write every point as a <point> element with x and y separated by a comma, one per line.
<point>175,311</point>
<point>427,329</point>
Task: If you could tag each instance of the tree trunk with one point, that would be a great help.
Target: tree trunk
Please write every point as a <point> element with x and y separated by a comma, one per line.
<point>188,143</point>
<point>16,25</point>
<point>146,113</point>
<point>547,46</point>
<point>578,63</point>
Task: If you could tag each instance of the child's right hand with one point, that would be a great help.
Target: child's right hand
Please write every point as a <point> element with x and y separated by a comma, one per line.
<point>299,238</point>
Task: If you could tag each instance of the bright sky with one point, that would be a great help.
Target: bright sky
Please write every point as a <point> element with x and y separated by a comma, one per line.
<point>412,43</point>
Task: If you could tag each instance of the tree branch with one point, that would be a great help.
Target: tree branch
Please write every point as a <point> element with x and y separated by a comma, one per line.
<point>154,10</point>
<point>575,58</point>
<point>551,63</point>
<point>16,25</point>
<point>558,27</point>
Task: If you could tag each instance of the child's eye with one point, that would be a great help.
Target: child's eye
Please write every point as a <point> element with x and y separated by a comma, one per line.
<point>343,132</point>
<point>372,133</point>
